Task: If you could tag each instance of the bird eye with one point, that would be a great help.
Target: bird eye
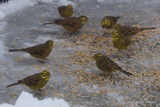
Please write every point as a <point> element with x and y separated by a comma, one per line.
<point>116,34</point>
<point>116,37</point>
<point>43,75</point>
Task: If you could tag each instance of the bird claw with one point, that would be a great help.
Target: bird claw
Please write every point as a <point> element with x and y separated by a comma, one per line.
<point>43,60</point>
<point>40,92</point>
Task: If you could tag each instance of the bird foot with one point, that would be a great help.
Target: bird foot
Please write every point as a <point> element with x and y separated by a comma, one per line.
<point>40,92</point>
<point>43,60</point>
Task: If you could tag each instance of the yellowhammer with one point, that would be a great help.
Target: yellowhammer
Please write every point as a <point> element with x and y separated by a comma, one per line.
<point>129,30</point>
<point>39,51</point>
<point>71,24</point>
<point>36,81</point>
<point>108,22</point>
<point>120,41</point>
<point>107,65</point>
<point>65,11</point>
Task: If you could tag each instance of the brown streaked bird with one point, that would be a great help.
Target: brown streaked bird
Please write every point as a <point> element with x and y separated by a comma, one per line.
<point>39,51</point>
<point>105,64</point>
<point>35,82</point>
<point>129,30</point>
<point>65,11</point>
<point>71,24</point>
<point>120,41</point>
<point>108,22</point>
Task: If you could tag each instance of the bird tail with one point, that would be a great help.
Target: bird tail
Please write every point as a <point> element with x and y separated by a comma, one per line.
<point>12,84</point>
<point>57,21</point>
<point>49,23</point>
<point>149,28</point>
<point>127,73</point>
<point>118,17</point>
<point>15,50</point>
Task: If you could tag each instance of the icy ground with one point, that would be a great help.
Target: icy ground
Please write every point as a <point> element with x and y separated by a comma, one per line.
<point>27,100</point>
<point>74,76</point>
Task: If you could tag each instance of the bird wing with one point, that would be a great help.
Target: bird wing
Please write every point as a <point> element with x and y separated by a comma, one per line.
<point>124,40</point>
<point>32,80</point>
<point>129,30</point>
<point>71,22</point>
<point>61,8</point>
<point>112,64</point>
<point>36,50</point>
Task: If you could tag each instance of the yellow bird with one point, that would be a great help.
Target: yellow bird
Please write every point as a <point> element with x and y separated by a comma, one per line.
<point>39,51</point>
<point>120,41</point>
<point>129,30</point>
<point>34,82</point>
<point>108,22</point>
<point>105,64</point>
<point>71,24</point>
<point>65,11</point>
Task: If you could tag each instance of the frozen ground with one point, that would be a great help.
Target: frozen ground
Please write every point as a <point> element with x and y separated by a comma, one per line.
<point>74,76</point>
<point>27,100</point>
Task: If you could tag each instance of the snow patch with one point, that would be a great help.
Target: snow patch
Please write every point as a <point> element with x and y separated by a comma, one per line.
<point>2,50</point>
<point>16,5</point>
<point>2,26</point>
<point>27,100</point>
<point>2,15</point>
<point>100,0</point>
<point>47,1</point>
<point>107,1</point>
<point>65,2</point>
<point>13,6</point>
<point>129,1</point>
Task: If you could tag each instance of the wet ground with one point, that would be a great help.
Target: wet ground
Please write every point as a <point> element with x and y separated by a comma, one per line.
<point>74,76</point>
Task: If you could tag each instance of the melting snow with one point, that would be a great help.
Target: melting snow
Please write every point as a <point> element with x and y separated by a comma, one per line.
<point>27,100</point>
<point>16,5</point>
<point>65,2</point>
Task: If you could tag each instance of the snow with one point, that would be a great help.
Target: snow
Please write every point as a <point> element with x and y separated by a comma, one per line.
<point>13,6</point>
<point>27,31</point>
<point>65,2</point>
<point>2,50</point>
<point>27,100</point>
<point>16,5</point>
<point>100,0</point>
<point>2,47</point>
<point>128,1</point>
<point>115,1</point>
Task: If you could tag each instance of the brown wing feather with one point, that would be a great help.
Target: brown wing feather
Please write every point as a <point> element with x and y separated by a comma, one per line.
<point>61,10</point>
<point>72,21</point>
<point>32,80</point>
<point>112,64</point>
<point>36,50</point>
